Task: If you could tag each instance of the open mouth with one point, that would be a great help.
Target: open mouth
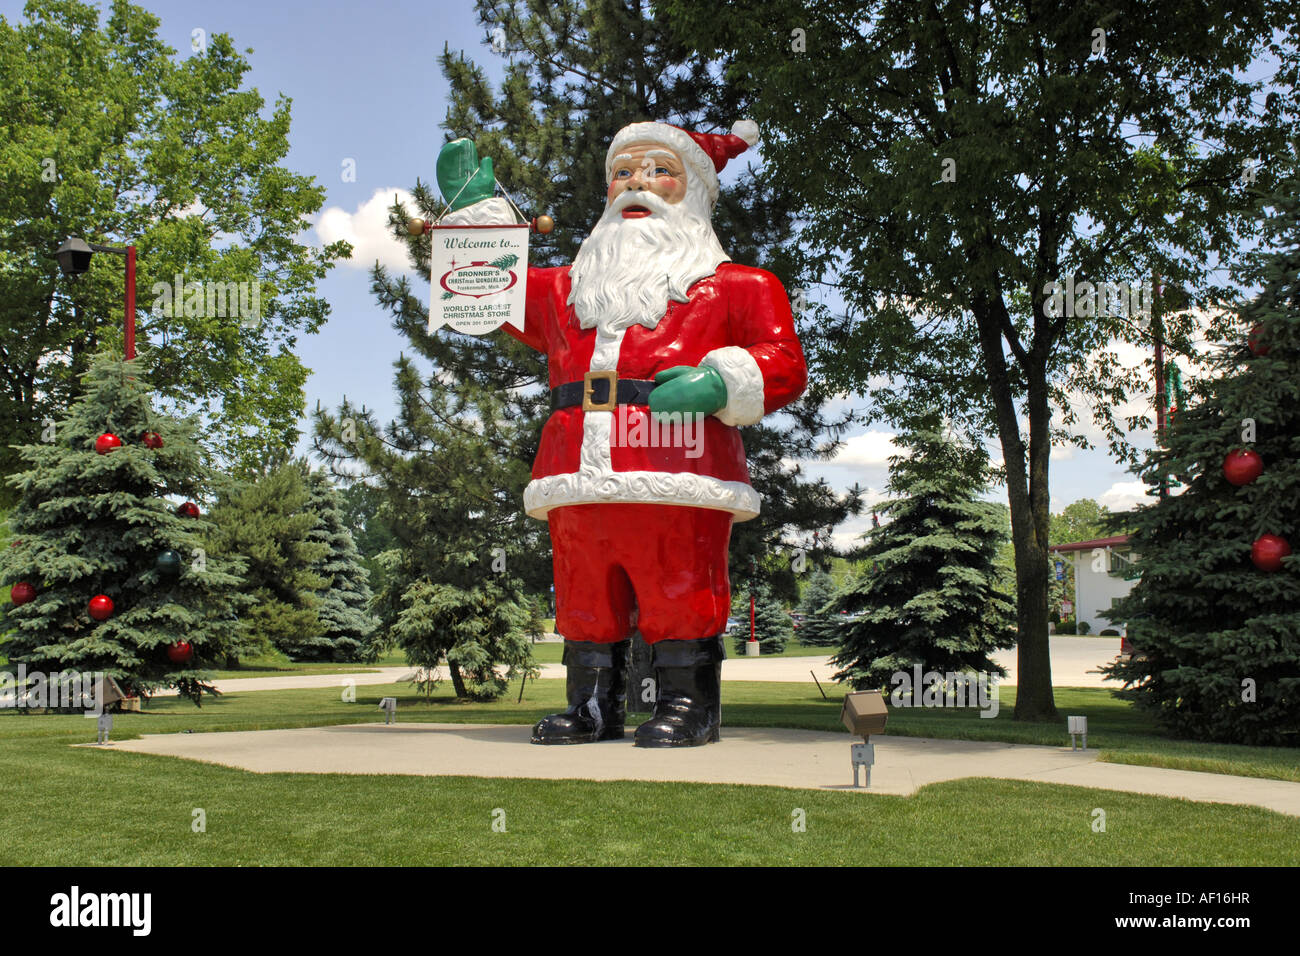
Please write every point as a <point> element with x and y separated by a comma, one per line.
<point>635,212</point>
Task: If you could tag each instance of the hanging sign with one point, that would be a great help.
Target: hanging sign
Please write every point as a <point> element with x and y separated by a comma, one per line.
<point>479,277</point>
<point>1067,608</point>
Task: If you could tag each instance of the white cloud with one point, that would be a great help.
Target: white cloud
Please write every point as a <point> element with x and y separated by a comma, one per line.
<point>1124,495</point>
<point>870,449</point>
<point>367,230</point>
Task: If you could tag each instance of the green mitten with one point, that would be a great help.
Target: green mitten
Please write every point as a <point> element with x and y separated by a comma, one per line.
<point>461,177</point>
<point>687,389</point>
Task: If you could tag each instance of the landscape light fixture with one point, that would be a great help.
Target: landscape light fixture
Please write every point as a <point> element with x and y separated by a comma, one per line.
<point>864,714</point>
<point>74,259</point>
<point>1077,725</point>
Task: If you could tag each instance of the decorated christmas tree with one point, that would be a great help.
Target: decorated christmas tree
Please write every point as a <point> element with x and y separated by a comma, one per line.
<point>105,571</point>
<point>1215,617</point>
<point>343,609</point>
<point>929,590</point>
<point>268,523</point>
<point>820,627</point>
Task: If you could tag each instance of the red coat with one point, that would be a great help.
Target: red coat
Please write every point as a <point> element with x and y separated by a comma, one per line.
<point>737,320</point>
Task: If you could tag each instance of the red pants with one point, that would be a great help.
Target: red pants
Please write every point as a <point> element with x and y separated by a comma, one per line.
<point>659,568</point>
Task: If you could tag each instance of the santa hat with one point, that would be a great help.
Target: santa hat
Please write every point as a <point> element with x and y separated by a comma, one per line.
<point>704,153</point>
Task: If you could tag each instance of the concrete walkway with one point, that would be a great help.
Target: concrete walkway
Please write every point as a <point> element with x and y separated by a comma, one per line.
<point>784,758</point>
<point>1074,662</point>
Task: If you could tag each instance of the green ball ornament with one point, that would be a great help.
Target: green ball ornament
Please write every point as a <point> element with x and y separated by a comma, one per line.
<point>169,563</point>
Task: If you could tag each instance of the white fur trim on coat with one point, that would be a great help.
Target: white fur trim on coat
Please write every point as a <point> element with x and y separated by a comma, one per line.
<point>744,382</point>
<point>641,487</point>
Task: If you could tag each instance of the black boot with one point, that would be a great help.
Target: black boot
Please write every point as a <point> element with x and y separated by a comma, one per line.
<point>688,694</point>
<point>597,691</point>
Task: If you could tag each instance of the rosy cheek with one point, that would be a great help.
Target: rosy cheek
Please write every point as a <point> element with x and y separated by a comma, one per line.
<point>612,191</point>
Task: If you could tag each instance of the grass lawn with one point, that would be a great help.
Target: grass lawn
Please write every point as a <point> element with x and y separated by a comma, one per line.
<point>94,807</point>
<point>281,666</point>
<point>546,653</point>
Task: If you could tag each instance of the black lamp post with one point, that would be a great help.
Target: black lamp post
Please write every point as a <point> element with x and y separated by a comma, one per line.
<point>74,260</point>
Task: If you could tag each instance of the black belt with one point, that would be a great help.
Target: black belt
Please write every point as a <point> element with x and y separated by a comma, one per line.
<point>593,392</point>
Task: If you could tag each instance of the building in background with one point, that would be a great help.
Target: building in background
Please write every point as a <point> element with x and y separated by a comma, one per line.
<point>1105,570</point>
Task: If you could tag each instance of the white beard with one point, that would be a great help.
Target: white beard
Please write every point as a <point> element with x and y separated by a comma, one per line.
<point>628,270</point>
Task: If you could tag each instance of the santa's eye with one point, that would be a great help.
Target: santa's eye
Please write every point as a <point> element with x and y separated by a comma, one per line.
<point>623,174</point>
<point>663,171</point>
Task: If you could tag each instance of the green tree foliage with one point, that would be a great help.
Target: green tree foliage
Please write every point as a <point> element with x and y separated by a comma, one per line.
<point>360,503</point>
<point>459,583</point>
<point>346,622</point>
<point>577,72</point>
<point>1217,639</point>
<point>110,136</point>
<point>88,524</point>
<point>928,593</point>
<point>954,160</point>
<point>269,524</point>
<point>1082,520</point>
<point>820,627</point>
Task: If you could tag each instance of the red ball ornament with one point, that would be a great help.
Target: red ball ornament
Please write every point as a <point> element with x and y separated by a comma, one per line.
<point>107,442</point>
<point>152,440</point>
<point>101,607</point>
<point>21,593</point>
<point>1256,341</point>
<point>1241,466</point>
<point>188,510</point>
<point>180,652</point>
<point>1267,552</point>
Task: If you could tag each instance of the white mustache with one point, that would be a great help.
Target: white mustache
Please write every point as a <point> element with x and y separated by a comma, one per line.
<point>641,197</point>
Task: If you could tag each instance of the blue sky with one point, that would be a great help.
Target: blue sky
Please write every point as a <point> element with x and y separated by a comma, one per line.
<point>365,87</point>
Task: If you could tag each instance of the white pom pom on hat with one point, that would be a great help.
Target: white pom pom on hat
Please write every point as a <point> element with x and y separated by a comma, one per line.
<point>746,130</point>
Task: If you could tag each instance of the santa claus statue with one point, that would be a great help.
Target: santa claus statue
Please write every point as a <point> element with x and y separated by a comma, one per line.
<point>658,348</point>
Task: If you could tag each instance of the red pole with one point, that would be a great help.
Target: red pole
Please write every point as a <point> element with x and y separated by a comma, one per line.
<point>130,302</point>
<point>1158,328</point>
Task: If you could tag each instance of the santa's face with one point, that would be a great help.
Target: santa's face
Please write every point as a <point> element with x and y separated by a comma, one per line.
<point>653,242</point>
<point>647,166</point>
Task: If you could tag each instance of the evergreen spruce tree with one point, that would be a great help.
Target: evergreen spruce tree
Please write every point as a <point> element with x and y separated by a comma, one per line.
<point>929,592</point>
<point>269,524</point>
<point>460,586</point>
<point>89,524</point>
<point>1216,638</point>
<point>346,622</point>
<point>820,627</point>
<point>360,504</point>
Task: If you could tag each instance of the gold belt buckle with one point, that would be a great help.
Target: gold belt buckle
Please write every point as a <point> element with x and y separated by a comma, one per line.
<point>610,376</point>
